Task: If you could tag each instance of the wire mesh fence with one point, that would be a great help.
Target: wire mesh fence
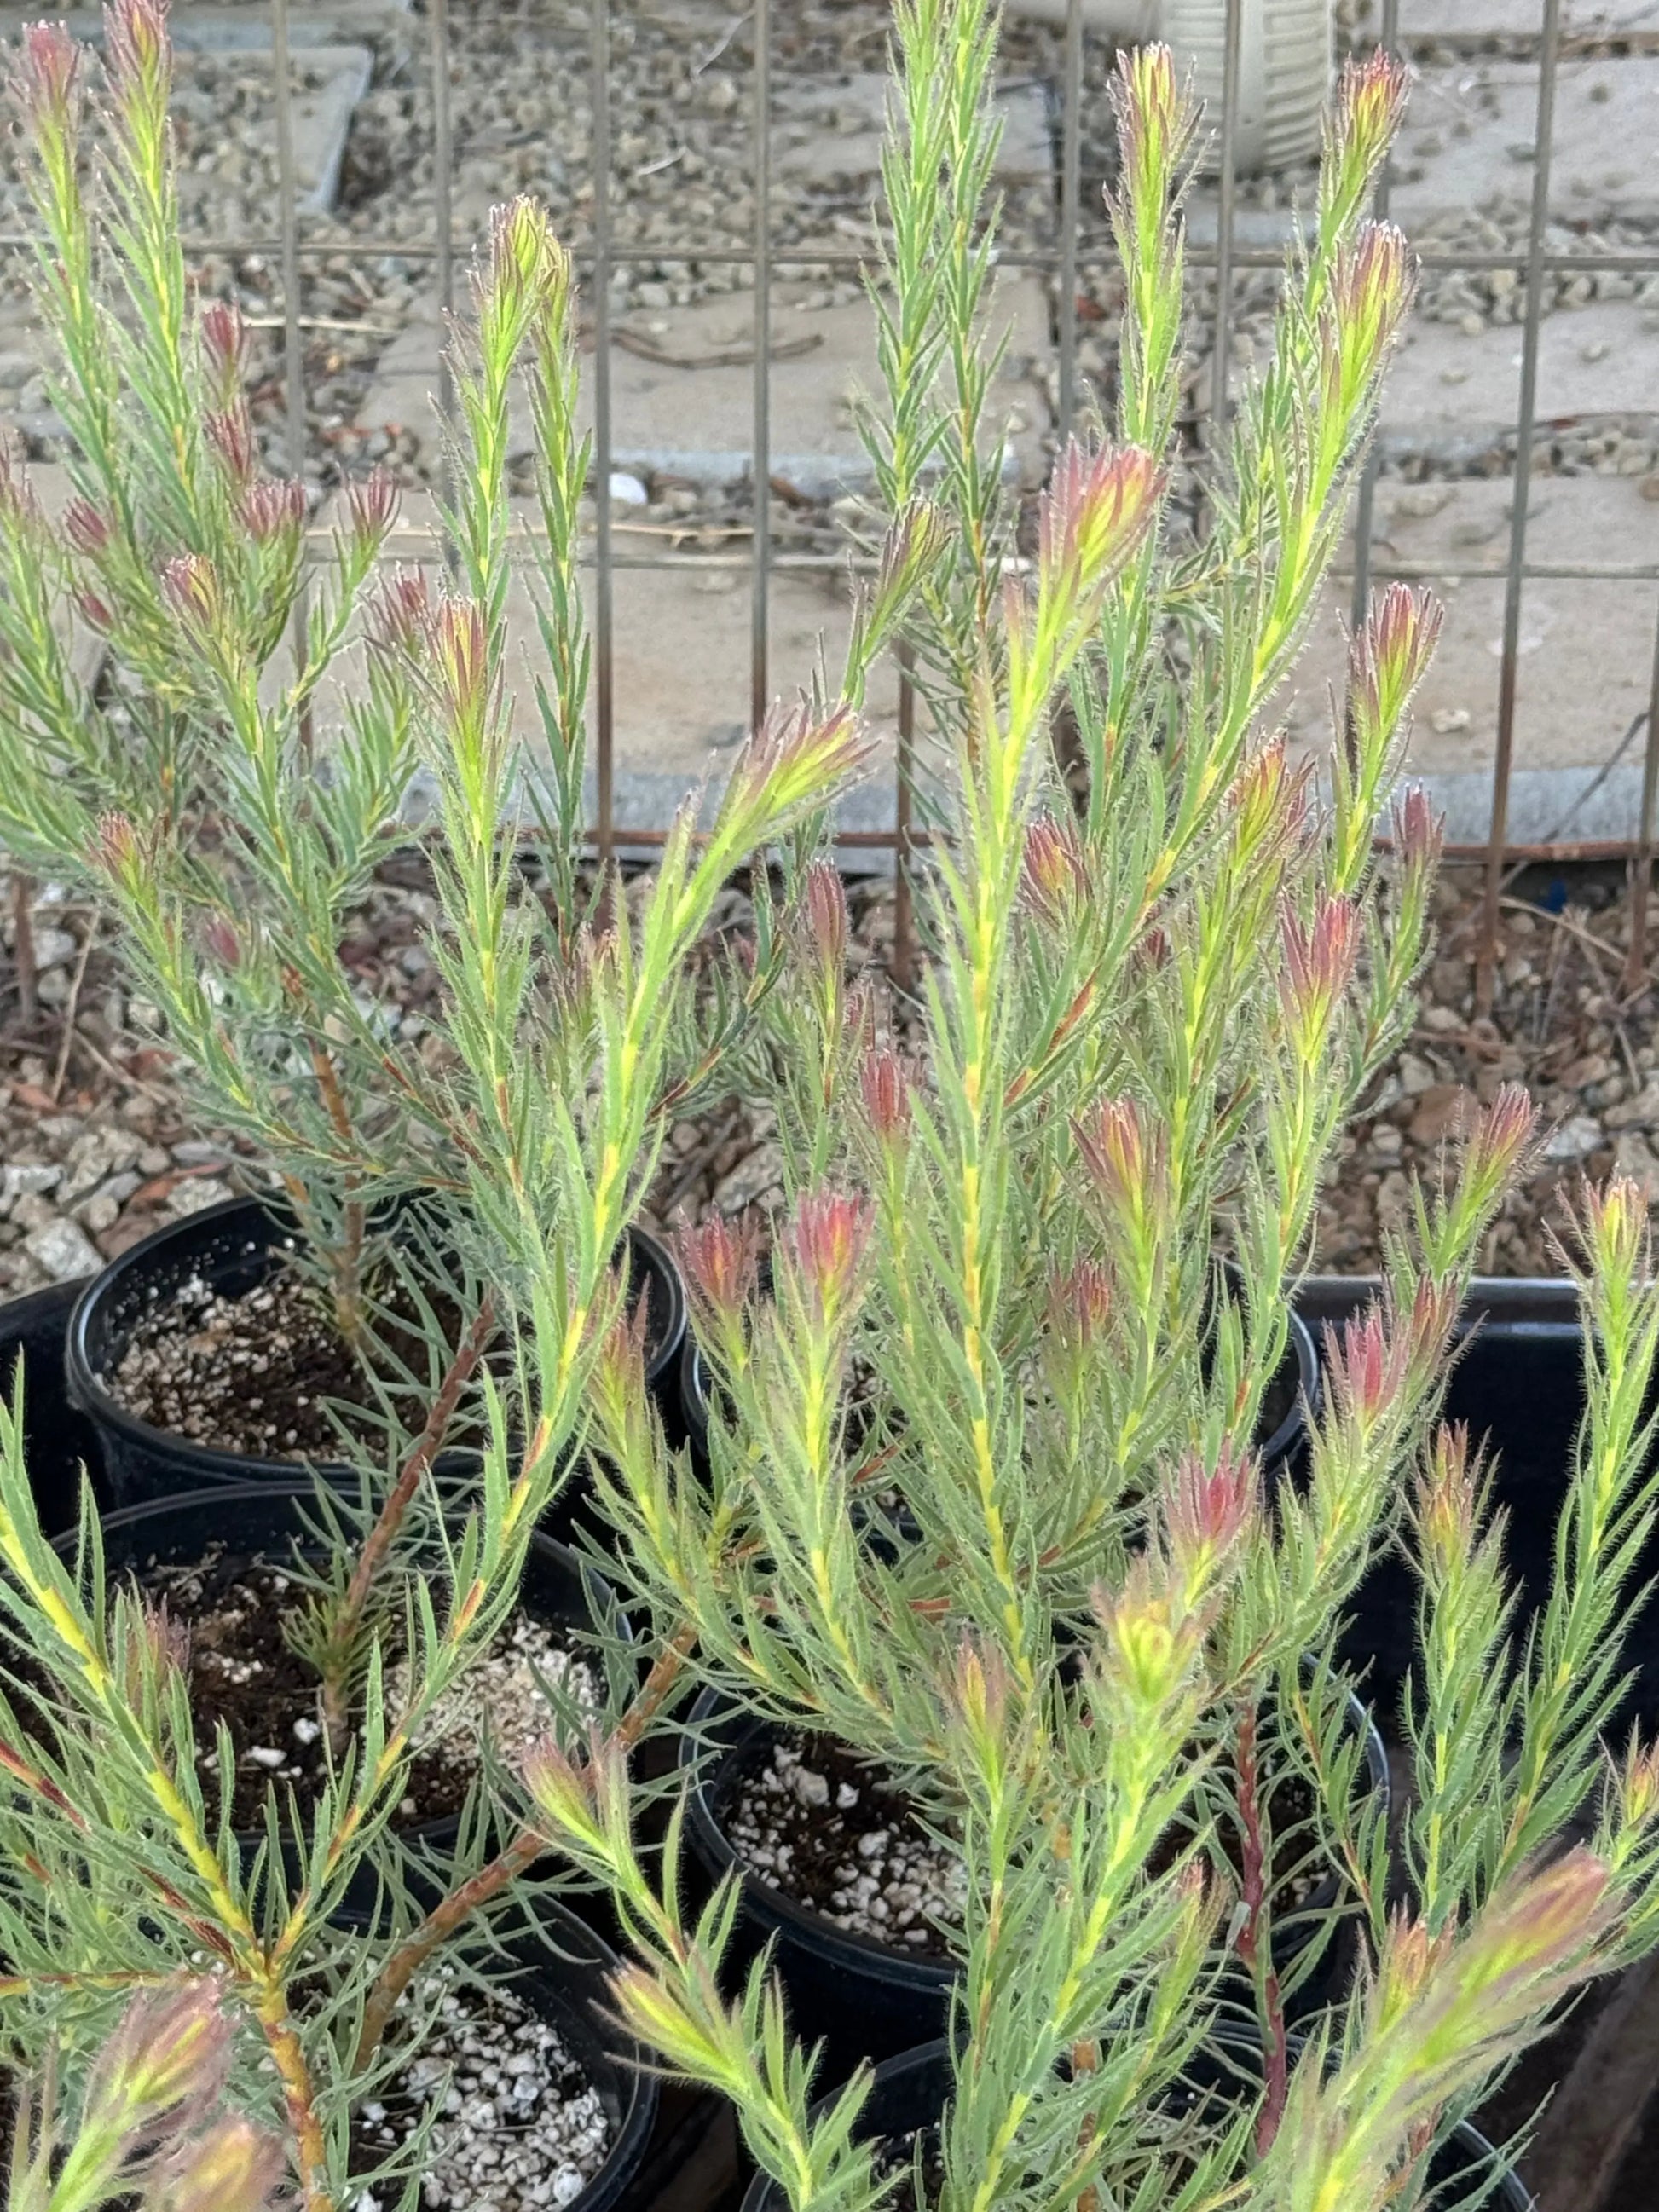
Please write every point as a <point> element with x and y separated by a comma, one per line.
<point>1065,260</point>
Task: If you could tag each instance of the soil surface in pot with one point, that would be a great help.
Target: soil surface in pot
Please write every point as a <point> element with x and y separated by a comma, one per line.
<point>232,1608</point>
<point>841,1837</point>
<point>253,1375</point>
<point>520,2126</point>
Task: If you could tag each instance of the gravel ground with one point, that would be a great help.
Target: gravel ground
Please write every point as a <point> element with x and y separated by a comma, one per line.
<point>95,1150</point>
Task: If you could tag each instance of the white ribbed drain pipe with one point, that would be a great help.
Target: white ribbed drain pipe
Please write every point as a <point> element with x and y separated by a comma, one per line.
<point>1284,65</point>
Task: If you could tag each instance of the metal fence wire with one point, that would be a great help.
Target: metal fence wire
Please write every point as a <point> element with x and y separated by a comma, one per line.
<point>1533,264</point>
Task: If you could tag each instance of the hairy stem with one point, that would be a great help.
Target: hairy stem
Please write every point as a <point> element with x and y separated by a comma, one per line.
<point>1255,1938</point>
<point>452,1912</point>
<point>347,1620</point>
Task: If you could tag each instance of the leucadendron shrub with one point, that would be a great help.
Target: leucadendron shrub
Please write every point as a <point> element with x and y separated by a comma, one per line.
<point>226,789</point>
<point>983,1501</point>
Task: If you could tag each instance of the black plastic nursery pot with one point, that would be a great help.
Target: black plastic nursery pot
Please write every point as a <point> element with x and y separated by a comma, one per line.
<point>561,1971</point>
<point>1518,1382</point>
<point>247,1518</point>
<point>907,2094</point>
<point>1296,1394</point>
<point>234,1248</point>
<point>59,1440</point>
<point>864,1999</point>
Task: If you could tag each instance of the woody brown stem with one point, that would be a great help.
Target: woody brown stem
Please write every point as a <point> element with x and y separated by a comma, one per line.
<point>452,1912</point>
<point>22,948</point>
<point>1256,1939</point>
<point>347,1620</point>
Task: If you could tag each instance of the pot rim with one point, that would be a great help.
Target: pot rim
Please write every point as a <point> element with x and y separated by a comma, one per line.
<point>289,1486</point>
<point>579,1945</point>
<point>1273,1449</point>
<point>775,1909</point>
<point>1510,2193</point>
<point>91,1395</point>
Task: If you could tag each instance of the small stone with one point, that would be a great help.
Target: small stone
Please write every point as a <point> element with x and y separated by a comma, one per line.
<point>28,1178</point>
<point>53,948</point>
<point>1575,1139</point>
<point>1416,1076</point>
<point>627,490</point>
<point>1450,721</point>
<point>811,1789</point>
<point>63,1250</point>
<point>262,1754</point>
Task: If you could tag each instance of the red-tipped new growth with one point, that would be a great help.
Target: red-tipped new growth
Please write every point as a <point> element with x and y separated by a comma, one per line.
<point>720,1259</point>
<point>1268,800</point>
<point>1154,121</point>
<point>190,585</point>
<point>224,349</point>
<point>1054,872</point>
<point>798,757</point>
<point>1079,1303</point>
<point>397,619</point>
<point>457,638</point>
<point>826,1244</point>
<point>1370,290</point>
<point>1368,110</point>
<point>233,2168</point>
<point>823,915</point>
<point>220,941</point>
<point>44,83</point>
<point>86,529</point>
<point>884,1084</point>
<point>1615,1228</point>
<point>1364,1368</point>
<point>170,2056</point>
<point>371,510</point>
<point>1098,506</point>
<point>1127,1157</point>
<point>230,434</point>
<point>135,49</point>
<point>1448,1498</point>
<point>1207,1510</point>
<point>1498,1144</point>
<point>1319,964</point>
<point>274,510</point>
<point>1388,657</point>
<point>1418,835</point>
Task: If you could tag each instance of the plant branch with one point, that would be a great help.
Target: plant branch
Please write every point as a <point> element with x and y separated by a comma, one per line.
<point>345,1621</point>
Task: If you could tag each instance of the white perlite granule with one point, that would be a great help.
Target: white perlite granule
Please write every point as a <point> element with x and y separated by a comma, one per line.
<point>519,2126</point>
<point>894,1884</point>
<point>499,1697</point>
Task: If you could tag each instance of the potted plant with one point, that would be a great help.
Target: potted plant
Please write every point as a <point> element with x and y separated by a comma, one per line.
<point>228,837</point>
<point>136,1844</point>
<point>1089,1660</point>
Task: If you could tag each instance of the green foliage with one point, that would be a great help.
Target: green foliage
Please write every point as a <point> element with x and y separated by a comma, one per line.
<point>984,1501</point>
<point>147,2134</point>
<point>254,746</point>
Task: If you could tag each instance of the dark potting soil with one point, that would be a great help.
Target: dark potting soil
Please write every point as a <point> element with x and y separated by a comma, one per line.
<point>231,1610</point>
<point>252,1375</point>
<point>520,2125</point>
<point>895,2161</point>
<point>841,1837</point>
